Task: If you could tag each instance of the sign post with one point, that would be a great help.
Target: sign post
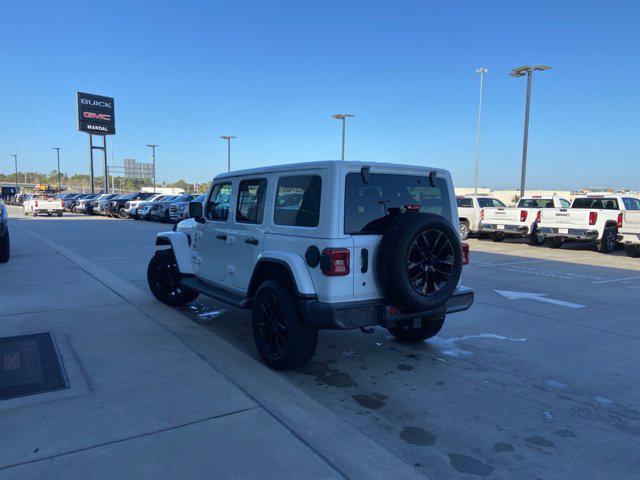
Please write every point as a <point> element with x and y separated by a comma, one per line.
<point>96,116</point>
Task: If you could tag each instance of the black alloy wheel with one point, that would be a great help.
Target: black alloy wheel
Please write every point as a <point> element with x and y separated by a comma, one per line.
<point>430,262</point>
<point>163,278</point>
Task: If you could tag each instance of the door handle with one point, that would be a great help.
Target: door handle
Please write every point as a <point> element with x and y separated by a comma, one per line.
<point>251,240</point>
<point>221,236</point>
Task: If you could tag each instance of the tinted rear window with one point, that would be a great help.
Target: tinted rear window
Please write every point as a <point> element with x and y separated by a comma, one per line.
<point>465,202</point>
<point>490,203</point>
<point>369,207</point>
<point>631,203</point>
<point>535,203</point>
<point>596,203</point>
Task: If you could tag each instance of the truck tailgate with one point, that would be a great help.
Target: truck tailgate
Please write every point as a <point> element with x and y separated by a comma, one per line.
<point>501,214</point>
<point>631,219</point>
<point>564,216</point>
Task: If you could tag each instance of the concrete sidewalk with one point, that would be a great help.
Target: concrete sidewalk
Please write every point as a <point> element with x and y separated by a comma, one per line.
<point>153,395</point>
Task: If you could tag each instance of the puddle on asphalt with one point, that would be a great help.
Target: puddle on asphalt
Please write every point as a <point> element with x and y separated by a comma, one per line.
<point>449,346</point>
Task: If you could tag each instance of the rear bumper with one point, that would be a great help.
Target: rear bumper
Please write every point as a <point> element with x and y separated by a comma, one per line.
<point>48,210</point>
<point>629,238</point>
<point>569,233</point>
<point>349,315</point>
<point>506,229</point>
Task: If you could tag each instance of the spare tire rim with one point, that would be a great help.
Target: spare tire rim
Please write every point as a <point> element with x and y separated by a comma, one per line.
<point>430,262</point>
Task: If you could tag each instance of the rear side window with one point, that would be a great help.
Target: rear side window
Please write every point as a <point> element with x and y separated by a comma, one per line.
<point>596,203</point>
<point>465,202</point>
<point>298,201</point>
<point>369,207</point>
<point>535,203</point>
<point>490,203</point>
<point>218,206</point>
<point>251,201</point>
<point>631,203</point>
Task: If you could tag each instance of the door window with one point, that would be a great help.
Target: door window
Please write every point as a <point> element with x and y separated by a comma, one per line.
<point>298,201</point>
<point>218,206</point>
<point>250,207</point>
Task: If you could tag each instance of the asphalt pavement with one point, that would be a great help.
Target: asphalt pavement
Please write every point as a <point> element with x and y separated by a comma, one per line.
<point>537,380</point>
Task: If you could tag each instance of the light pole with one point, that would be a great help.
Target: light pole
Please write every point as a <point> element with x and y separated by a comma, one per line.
<point>57,149</point>
<point>228,139</point>
<point>15,160</point>
<point>521,72</point>
<point>480,71</point>
<point>343,117</point>
<point>153,146</point>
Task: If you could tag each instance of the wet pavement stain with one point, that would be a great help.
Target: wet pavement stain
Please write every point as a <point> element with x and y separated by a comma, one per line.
<point>539,441</point>
<point>368,401</point>
<point>503,447</point>
<point>440,383</point>
<point>405,368</point>
<point>418,436</point>
<point>566,433</point>
<point>328,376</point>
<point>470,465</point>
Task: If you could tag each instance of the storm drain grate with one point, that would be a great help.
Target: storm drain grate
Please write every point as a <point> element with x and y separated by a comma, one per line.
<point>29,364</point>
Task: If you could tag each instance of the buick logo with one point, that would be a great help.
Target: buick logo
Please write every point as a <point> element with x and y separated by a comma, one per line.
<point>96,103</point>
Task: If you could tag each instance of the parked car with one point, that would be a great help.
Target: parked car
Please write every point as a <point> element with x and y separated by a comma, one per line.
<point>144,211</point>
<point>102,208</point>
<point>591,218</point>
<point>83,205</point>
<point>160,210</point>
<point>629,228</point>
<point>70,201</point>
<point>43,203</point>
<point>92,206</point>
<point>521,220</point>
<point>366,244</point>
<point>5,244</point>
<point>470,212</point>
<point>117,208</point>
<point>179,210</point>
<point>132,206</point>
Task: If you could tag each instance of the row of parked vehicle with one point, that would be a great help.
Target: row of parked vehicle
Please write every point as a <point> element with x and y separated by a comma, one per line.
<point>604,220</point>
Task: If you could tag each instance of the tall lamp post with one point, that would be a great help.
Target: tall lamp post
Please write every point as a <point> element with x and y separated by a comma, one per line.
<point>15,161</point>
<point>228,139</point>
<point>521,72</point>
<point>343,117</point>
<point>153,146</point>
<point>480,71</point>
<point>57,149</point>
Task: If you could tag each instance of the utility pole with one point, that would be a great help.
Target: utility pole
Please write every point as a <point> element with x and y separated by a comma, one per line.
<point>15,160</point>
<point>57,149</point>
<point>480,71</point>
<point>521,72</point>
<point>228,139</point>
<point>343,117</point>
<point>153,146</point>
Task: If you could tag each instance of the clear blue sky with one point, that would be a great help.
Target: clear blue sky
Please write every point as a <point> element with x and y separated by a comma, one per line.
<point>272,73</point>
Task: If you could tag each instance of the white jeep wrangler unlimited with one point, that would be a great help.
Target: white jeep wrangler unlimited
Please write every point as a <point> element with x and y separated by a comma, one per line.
<point>311,246</point>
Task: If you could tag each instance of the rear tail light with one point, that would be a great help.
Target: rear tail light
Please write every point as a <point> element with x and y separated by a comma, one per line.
<point>482,214</point>
<point>538,216</point>
<point>619,220</point>
<point>523,215</point>
<point>335,262</point>
<point>465,253</point>
<point>36,203</point>
<point>593,218</point>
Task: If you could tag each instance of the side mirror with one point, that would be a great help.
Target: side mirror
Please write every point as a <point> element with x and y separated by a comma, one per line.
<point>195,211</point>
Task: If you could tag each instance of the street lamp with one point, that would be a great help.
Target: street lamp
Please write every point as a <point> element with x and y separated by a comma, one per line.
<point>57,149</point>
<point>15,160</point>
<point>343,117</point>
<point>153,146</point>
<point>521,72</point>
<point>228,139</point>
<point>480,71</point>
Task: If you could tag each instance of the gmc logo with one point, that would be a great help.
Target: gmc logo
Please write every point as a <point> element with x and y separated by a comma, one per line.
<point>562,214</point>
<point>97,116</point>
<point>96,103</point>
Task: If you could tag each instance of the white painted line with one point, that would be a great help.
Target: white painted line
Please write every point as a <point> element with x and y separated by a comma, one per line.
<point>539,297</point>
<point>617,280</point>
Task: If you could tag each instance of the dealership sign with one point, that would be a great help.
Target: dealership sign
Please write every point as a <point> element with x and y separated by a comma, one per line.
<point>96,114</point>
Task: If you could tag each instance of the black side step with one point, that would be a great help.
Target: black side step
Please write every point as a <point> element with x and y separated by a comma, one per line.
<point>213,292</point>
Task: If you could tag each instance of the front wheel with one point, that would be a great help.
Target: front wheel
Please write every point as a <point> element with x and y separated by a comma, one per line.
<point>496,236</point>
<point>282,337</point>
<point>428,327</point>
<point>122,213</point>
<point>608,242</point>
<point>632,250</point>
<point>464,229</point>
<point>163,277</point>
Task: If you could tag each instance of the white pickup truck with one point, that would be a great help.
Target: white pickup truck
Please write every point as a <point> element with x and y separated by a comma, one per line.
<point>629,230</point>
<point>521,220</point>
<point>591,218</point>
<point>40,203</point>
<point>471,211</point>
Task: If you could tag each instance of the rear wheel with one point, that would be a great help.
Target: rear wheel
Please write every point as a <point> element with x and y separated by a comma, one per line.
<point>554,242</point>
<point>122,213</point>
<point>464,229</point>
<point>608,242</point>
<point>535,238</point>
<point>428,327</point>
<point>632,250</point>
<point>282,338</point>
<point>34,214</point>
<point>496,236</point>
<point>163,277</point>
<point>5,246</point>
<point>59,214</point>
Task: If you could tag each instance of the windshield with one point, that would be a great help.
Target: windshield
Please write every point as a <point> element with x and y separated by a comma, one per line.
<point>370,206</point>
<point>536,203</point>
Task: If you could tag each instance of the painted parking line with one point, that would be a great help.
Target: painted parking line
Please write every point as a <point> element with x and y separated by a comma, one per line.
<point>618,280</point>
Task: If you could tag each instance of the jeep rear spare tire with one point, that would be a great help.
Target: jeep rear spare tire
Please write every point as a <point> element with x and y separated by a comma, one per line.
<point>419,261</point>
